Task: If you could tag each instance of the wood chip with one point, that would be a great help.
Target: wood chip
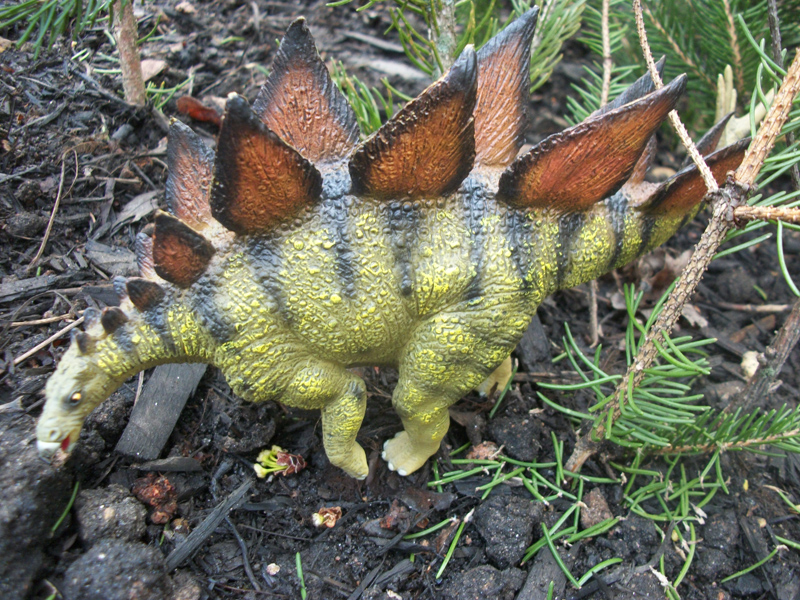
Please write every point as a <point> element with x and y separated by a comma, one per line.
<point>113,260</point>
<point>155,414</point>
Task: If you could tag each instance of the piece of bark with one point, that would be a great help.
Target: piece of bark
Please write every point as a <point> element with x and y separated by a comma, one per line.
<point>117,261</point>
<point>156,412</point>
<point>22,288</point>
<point>534,347</point>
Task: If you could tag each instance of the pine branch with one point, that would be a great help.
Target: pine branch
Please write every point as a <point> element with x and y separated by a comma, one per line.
<point>733,194</point>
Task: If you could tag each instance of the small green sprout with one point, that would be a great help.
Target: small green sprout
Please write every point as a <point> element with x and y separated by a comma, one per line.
<point>277,460</point>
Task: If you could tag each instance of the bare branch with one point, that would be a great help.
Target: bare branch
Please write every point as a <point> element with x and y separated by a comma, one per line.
<point>607,64</point>
<point>708,178</point>
<point>767,213</point>
<point>127,36</point>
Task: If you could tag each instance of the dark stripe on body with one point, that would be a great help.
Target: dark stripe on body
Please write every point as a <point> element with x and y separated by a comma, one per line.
<point>475,209</point>
<point>516,228</point>
<point>209,314</point>
<point>568,228</point>
<point>617,205</point>
<point>122,337</point>
<point>336,205</point>
<point>403,223</point>
<point>648,226</point>
<point>267,262</point>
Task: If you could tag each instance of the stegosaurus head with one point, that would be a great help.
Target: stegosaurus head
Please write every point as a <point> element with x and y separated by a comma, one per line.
<point>78,385</point>
<point>299,143</point>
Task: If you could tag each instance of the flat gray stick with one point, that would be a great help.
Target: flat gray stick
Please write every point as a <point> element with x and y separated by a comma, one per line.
<point>157,410</point>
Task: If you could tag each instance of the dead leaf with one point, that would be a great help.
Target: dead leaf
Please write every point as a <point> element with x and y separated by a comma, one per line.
<point>484,451</point>
<point>692,314</point>
<point>138,208</point>
<point>193,108</point>
<point>152,67</point>
<point>327,517</point>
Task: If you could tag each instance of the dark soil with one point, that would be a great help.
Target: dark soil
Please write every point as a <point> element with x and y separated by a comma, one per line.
<point>65,131</point>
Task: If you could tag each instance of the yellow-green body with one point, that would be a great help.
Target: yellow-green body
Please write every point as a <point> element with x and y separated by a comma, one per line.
<point>442,289</point>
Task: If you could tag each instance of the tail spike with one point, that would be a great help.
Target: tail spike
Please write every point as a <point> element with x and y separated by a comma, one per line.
<point>427,149</point>
<point>300,103</point>
<point>143,293</point>
<point>112,319</point>
<point>180,254</point>
<point>571,170</point>
<point>686,189</point>
<point>503,78</point>
<point>190,168</point>
<point>259,180</point>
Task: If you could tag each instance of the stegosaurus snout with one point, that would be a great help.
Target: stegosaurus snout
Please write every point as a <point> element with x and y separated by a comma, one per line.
<point>297,251</point>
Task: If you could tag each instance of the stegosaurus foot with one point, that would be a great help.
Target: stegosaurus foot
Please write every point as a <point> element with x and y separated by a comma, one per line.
<point>403,455</point>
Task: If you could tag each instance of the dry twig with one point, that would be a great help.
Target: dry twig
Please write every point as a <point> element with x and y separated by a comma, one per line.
<point>127,35</point>
<point>47,342</point>
<point>49,228</point>
<point>686,140</point>
<point>767,213</point>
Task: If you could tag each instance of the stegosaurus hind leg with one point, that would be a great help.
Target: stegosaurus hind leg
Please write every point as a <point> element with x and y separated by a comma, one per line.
<point>342,397</point>
<point>447,357</point>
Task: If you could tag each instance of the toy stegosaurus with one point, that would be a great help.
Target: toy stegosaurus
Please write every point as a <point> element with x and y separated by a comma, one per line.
<point>299,251</point>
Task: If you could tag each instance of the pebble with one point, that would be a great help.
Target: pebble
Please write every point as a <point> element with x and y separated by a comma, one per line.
<point>506,524</point>
<point>110,512</point>
<point>117,570</point>
<point>484,583</point>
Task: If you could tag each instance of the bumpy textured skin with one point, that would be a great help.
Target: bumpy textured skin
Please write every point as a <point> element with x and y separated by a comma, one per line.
<point>427,247</point>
